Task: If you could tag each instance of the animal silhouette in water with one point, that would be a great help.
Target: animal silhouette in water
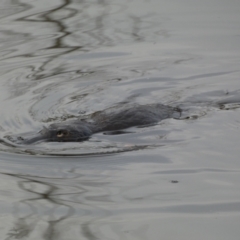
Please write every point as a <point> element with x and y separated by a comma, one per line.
<point>112,119</point>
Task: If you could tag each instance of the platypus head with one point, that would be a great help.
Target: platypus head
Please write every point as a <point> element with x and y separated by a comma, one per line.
<point>69,131</point>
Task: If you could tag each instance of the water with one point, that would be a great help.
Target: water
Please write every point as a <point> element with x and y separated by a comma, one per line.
<point>178,179</point>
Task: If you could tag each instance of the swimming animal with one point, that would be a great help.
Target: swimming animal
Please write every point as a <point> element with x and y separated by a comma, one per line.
<point>111,119</point>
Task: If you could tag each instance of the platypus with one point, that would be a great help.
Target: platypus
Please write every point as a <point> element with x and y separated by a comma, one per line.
<point>111,119</point>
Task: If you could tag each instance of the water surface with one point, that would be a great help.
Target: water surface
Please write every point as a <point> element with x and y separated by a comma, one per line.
<point>178,179</point>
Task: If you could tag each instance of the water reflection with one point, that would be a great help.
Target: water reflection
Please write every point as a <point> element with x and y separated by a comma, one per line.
<point>70,26</point>
<point>55,17</point>
<point>51,201</point>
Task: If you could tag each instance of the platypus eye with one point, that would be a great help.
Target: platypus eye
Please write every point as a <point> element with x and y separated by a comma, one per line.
<point>62,133</point>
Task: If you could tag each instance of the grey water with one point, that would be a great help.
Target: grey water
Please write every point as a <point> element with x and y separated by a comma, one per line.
<point>178,179</point>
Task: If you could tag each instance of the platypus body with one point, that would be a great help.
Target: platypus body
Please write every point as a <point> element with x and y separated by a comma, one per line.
<point>112,119</point>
